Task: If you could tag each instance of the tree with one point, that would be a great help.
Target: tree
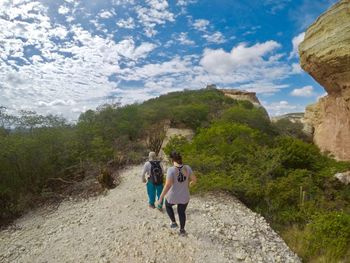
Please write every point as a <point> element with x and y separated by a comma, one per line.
<point>293,129</point>
<point>155,137</point>
<point>30,120</point>
<point>6,120</point>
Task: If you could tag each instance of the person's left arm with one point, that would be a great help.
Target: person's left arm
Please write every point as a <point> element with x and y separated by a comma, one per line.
<point>143,175</point>
<point>193,178</point>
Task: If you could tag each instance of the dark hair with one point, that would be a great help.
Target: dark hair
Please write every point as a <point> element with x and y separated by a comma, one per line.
<point>176,157</point>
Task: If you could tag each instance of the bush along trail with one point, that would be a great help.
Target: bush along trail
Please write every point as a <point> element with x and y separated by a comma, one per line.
<point>119,227</point>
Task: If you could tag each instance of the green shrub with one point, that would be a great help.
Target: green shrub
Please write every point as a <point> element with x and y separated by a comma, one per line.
<point>285,179</point>
<point>288,196</point>
<point>27,160</point>
<point>300,155</point>
<point>246,104</point>
<point>328,235</point>
<point>176,143</point>
<point>246,186</point>
<point>101,151</point>
<point>285,127</point>
<point>253,117</point>
<point>227,139</point>
<point>214,181</point>
<point>191,116</point>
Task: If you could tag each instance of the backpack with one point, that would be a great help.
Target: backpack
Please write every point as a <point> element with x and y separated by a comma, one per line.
<point>156,176</point>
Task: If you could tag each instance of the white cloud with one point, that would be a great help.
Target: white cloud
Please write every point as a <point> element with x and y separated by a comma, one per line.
<point>263,87</point>
<point>63,10</point>
<point>53,66</point>
<point>307,91</point>
<point>105,14</point>
<point>216,37</point>
<point>122,2</point>
<point>185,2</point>
<point>184,40</point>
<point>156,13</point>
<point>169,43</point>
<point>221,62</point>
<point>296,69</point>
<point>276,5</point>
<point>57,102</point>
<point>255,68</point>
<point>174,66</point>
<point>74,71</point>
<point>150,31</point>
<point>201,24</point>
<point>296,42</point>
<point>127,49</point>
<point>281,107</point>
<point>251,31</point>
<point>126,23</point>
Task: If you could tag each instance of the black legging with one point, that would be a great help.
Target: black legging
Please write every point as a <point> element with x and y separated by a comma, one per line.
<point>181,208</point>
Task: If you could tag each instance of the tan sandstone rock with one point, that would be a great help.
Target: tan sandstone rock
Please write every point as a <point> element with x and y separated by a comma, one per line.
<point>238,94</point>
<point>325,55</point>
<point>245,95</point>
<point>242,95</point>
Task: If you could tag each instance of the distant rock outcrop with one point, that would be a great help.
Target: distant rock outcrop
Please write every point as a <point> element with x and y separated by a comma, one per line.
<point>325,55</point>
<point>293,117</point>
<point>242,95</point>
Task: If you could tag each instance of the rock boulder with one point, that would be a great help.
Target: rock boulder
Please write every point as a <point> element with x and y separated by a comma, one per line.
<point>325,55</point>
<point>343,177</point>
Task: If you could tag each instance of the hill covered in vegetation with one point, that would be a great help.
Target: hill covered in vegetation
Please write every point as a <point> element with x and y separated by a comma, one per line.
<point>269,166</point>
<point>277,172</point>
<point>36,149</point>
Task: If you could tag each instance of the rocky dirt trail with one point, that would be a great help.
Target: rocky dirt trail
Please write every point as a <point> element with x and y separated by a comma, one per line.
<point>119,227</point>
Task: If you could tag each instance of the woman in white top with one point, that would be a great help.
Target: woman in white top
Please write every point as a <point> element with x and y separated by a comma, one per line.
<point>179,178</point>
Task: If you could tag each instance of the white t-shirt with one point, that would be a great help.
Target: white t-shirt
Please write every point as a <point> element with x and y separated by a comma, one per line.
<point>179,192</point>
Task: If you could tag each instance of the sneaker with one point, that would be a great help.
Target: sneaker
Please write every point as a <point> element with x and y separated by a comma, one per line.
<point>173,225</point>
<point>182,232</point>
<point>151,206</point>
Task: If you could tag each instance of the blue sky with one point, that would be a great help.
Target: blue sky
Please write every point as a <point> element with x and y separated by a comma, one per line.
<point>66,56</point>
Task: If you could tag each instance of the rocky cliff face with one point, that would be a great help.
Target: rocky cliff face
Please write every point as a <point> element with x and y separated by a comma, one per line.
<point>325,55</point>
<point>242,95</point>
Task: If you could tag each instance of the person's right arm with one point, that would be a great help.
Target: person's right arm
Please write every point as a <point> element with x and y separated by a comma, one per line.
<point>143,176</point>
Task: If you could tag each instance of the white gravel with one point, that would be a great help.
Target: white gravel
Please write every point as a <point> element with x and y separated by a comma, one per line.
<point>119,227</point>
